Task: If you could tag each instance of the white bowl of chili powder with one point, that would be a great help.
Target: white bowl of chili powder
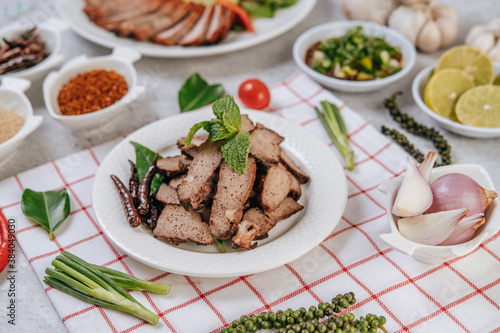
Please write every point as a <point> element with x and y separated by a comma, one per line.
<point>86,94</point>
<point>16,116</point>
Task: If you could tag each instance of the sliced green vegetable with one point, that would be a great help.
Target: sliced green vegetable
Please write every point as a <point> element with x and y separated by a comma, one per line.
<point>226,127</point>
<point>89,283</point>
<point>220,244</point>
<point>143,159</point>
<point>334,125</point>
<point>265,8</point>
<point>49,209</point>
<point>196,92</point>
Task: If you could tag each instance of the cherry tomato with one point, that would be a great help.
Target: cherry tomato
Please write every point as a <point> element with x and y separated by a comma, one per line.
<point>254,94</point>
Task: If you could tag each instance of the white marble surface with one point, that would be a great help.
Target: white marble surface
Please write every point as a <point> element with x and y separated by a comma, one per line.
<point>271,62</point>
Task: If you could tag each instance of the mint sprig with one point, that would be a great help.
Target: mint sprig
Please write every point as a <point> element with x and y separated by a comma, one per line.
<point>226,127</point>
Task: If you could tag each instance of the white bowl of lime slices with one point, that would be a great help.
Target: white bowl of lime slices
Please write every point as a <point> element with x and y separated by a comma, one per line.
<point>418,89</point>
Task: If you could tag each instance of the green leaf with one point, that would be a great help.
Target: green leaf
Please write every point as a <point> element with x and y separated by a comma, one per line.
<point>49,209</point>
<point>143,159</point>
<point>218,131</point>
<point>196,92</point>
<point>228,111</point>
<point>236,149</point>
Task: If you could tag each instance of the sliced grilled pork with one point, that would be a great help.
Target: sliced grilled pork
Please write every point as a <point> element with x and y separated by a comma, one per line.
<point>198,184</point>
<point>174,34</point>
<point>127,27</point>
<point>290,164</point>
<point>233,190</point>
<point>274,187</point>
<point>179,225</point>
<point>286,208</point>
<point>197,34</point>
<point>264,145</point>
<point>111,22</point>
<point>100,8</point>
<point>246,123</point>
<point>228,21</point>
<point>149,29</point>
<point>191,150</point>
<point>175,182</point>
<point>216,25</point>
<point>167,195</point>
<point>173,166</point>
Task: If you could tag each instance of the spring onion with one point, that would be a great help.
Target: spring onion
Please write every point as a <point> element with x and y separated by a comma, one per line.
<point>101,286</point>
<point>334,125</point>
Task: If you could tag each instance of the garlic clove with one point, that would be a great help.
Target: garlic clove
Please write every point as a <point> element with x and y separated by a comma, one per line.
<point>447,19</point>
<point>414,196</point>
<point>407,21</point>
<point>473,33</point>
<point>427,164</point>
<point>429,37</point>
<point>465,229</point>
<point>431,229</point>
<point>368,10</point>
<point>484,41</point>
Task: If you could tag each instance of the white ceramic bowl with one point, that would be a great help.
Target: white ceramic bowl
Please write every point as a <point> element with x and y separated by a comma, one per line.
<point>418,88</point>
<point>438,254</point>
<point>50,32</point>
<point>338,29</point>
<point>120,61</point>
<point>12,98</point>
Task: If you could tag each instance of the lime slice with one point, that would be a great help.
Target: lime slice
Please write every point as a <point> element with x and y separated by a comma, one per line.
<point>443,90</point>
<point>480,106</point>
<point>471,61</point>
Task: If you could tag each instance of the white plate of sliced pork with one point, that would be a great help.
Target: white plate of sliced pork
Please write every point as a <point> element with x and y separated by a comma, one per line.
<point>174,28</point>
<point>289,198</point>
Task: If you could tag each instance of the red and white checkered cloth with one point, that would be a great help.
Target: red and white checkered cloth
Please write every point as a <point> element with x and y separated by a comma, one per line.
<point>460,295</point>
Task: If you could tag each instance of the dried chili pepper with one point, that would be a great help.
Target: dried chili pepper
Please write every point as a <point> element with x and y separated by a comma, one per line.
<point>128,202</point>
<point>154,213</point>
<point>143,195</point>
<point>4,235</point>
<point>134,181</point>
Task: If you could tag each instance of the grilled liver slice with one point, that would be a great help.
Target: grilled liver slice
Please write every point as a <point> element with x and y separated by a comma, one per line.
<point>233,190</point>
<point>274,187</point>
<point>167,195</point>
<point>198,184</point>
<point>291,166</point>
<point>175,182</point>
<point>179,225</point>
<point>264,144</point>
<point>287,208</point>
<point>192,149</point>
<point>246,123</point>
<point>173,166</point>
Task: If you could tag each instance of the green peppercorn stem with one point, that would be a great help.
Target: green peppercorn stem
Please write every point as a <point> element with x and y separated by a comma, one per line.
<point>408,123</point>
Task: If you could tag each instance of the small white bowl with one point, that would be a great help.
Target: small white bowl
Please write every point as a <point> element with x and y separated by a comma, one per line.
<point>417,90</point>
<point>338,29</point>
<point>120,61</point>
<point>12,98</point>
<point>50,32</point>
<point>438,254</point>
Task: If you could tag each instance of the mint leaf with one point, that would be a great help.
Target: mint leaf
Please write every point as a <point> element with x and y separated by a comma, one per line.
<point>218,132</point>
<point>196,92</point>
<point>236,149</point>
<point>228,111</point>
<point>195,128</point>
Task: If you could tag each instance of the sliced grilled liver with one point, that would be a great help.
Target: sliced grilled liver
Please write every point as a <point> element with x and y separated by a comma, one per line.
<point>274,187</point>
<point>290,164</point>
<point>167,195</point>
<point>179,225</point>
<point>173,166</point>
<point>233,190</point>
<point>264,144</point>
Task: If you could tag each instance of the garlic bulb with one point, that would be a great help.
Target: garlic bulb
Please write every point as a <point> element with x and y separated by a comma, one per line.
<point>368,10</point>
<point>414,195</point>
<point>427,25</point>
<point>486,38</point>
<point>431,229</point>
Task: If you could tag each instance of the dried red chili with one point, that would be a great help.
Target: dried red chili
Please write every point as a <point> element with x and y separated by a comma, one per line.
<point>91,91</point>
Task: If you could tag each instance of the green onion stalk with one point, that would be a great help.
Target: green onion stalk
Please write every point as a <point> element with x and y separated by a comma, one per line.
<point>101,286</point>
<point>334,125</point>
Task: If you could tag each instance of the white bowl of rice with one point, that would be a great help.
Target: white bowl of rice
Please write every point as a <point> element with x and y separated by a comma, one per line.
<point>16,116</point>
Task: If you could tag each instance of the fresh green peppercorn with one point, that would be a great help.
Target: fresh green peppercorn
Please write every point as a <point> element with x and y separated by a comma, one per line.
<point>240,329</point>
<point>319,313</point>
<point>323,306</point>
<point>265,325</point>
<point>272,316</point>
<point>372,330</point>
<point>321,328</point>
<point>276,324</point>
<point>243,319</point>
<point>328,311</point>
<point>310,327</point>
<point>296,328</point>
<point>381,320</point>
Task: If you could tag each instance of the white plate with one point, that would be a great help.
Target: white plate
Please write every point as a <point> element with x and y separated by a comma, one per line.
<point>324,199</point>
<point>266,29</point>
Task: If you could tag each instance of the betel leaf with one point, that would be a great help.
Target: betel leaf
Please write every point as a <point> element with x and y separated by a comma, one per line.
<point>49,209</point>
<point>143,159</point>
<point>196,92</point>
<point>235,151</point>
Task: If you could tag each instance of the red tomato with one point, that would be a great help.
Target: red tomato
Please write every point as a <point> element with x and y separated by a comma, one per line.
<point>254,94</point>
